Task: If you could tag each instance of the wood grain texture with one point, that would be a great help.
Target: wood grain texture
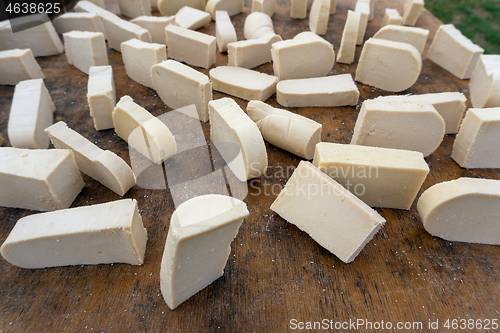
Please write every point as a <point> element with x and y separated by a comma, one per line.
<point>275,272</point>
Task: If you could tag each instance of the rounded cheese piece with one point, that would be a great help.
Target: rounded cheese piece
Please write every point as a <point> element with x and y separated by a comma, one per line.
<point>232,7</point>
<point>411,35</point>
<point>463,210</point>
<point>257,24</point>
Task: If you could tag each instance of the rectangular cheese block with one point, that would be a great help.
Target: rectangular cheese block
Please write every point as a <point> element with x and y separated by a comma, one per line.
<point>192,47</point>
<point>347,48</point>
<point>38,179</point>
<point>18,65</point>
<point>391,17</point>
<point>363,8</point>
<point>319,15</point>
<point>381,177</point>
<point>119,31</point>
<point>85,49</point>
<point>79,22</point>
<point>99,234</point>
<point>412,11</point>
<point>224,30</point>
<point>252,52</point>
<point>299,9</point>
<point>84,6</point>
<point>101,96</point>
<point>484,85</point>
<point>134,8</point>
<point>331,215</point>
<point>139,57</point>
<point>155,25</point>
<point>192,18</point>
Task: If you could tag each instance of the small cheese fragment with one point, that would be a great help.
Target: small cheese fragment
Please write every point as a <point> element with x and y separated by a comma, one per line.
<point>267,7</point>
<point>411,35</point>
<point>252,52</point>
<point>119,31</point>
<point>243,83</point>
<point>139,57</point>
<point>391,16</point>
<point>388,65</point>
<point>192,18</point>
<point>134,8</point>
<point>155,25</point>
<point>399,124</point>
<point>171,7</point>
<point>411,11</point>
<point>335,90</point>
<point>484,85</point>
<point>179,85</point>
<point>84,6</point>
<point>99,234</point>
<point>79,22</point>
<point>232,7</point>
<point>101,96</point>
<point>41,39</point>
<point>85,49</point>
<point>477,144</point>
<point>224,30</point>
<point>306,55</point>
<point>347,48</point>
<point>102,165</point>
<point>18,65</point>
<point>299,9</point>
<point>39,179</point>
<point>454,52</point>
<point>198,245</point>
<point>319,15</point>
<point>363,8</point>
<point>31,112</point>
<point>143,132</point>
<point>381,177</point>
<point>258,24</point>
<point>286,130</point>
<point>192,47</point>
<point>331,215</point>
<point>230,124</point>
<point>462,210</point>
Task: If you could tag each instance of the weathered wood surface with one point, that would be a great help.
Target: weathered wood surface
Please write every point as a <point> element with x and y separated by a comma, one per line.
<point>275,272</point>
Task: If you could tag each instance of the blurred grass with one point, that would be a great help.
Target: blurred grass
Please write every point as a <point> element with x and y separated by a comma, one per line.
<point>479,20</point>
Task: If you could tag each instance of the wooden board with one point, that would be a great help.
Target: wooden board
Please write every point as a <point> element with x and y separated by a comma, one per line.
<point>275,272</point>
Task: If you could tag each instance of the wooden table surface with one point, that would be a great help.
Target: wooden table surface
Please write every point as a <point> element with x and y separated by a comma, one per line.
<point>275,272</point>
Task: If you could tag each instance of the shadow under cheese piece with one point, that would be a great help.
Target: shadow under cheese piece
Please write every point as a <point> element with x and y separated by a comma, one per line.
<point>198,245</point>
<point>18,65</point>
<point>99,234</point>
<point>330,214</point>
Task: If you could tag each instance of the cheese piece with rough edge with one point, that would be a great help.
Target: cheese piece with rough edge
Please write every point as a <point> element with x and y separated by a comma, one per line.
<point>319,15</point>
<point>38,179</point>
<point>192,18</point>
<point>99,234</point>
<point>232,7</point>
<point>139,57</point>
<point>143,132</point>
<point>399,124</point>
<point>330,214</point>
<point>230,124</point>
<point>388,65</point>
<point>79,22</point>
<point>477,144</point>
<point>243,83</point>
<point>381,177</point>
<point>363,8</point>
<point>84,6</point>
<point>18,65</point>
<point>411,35</point>
<point>119,31</point>
<point>31,112</point>
<point>411,11</point>
<point>335,90</point>
<point>391,16</point>
<point>155,25</point>
<point>252,52</point>
<point>298,9</point>
<point>102,165</point>
<point>462,210</point>
<point>454,52</point>
<point>257,24</point>
<point>171,7</point>
<point>267,7</point>
<point>192,47</point>
<point>179,85</point>
<point>286,130</point>
<point>224,30</point>
<point>85,49</point>
<point>347,48</point>
<point>306,55</point>
<point>198,245</point>
<point>101,96</point>
<point>134,8</point>
<point>484,85</point>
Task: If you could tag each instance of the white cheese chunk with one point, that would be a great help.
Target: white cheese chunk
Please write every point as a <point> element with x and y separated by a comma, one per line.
<point>484,84</point>
<point>224,30</point>
<point>411,35</point>
<point>101,96</point>
<point>84,6</point>
<point>198,245</point>
<point>31,112</point>
<point>99,234</point>
<point>257,24</point>
<point>192,18</point>
<point>38,179</point>
<point>119,31</point>
<point>192,47</point>
<point>18,65</point>
<point>232,7</point>
<point>41,39</point>
<point>267,7</point>
<point>230,124</point>
<point>134,8</point>
<point>347,48</point>
<point>331,215</point>
<point>171,7</point>
<point>79,22</point>
<point>139,57</point>
<point>155,25</point>
<point>477,144</point>
<point>462,210</point>
<point>412,11</point>
<point>85,49</point>
<point>319,15</point>
<point>252,52</point>
<point>299,9</point>
<point>363,8</point>
<point>391,16</point>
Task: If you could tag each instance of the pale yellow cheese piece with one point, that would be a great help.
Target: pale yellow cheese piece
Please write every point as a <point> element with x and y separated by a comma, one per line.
<point>454,52</point>
<point>399,124</point>
<point>99,234</point>
<point>101,96</point>
<point>192,47</point>
<point>484,84</point>
<point>319,15</point>
<point>299,9</point>
<point>85,49</point>
<point>306,55</point>
<point>330,214</point>
<point>252,52</point>
<point>388,65</point>
<point>335,90</point>
<point>79,22</point>
<point>192,18</point>
<point>119,31</point>
<point>347,48</point>
<point>31,112</point>
<point>171,7</point>
<point>391,16</point>
<point>243,83</point>
<point>18,65</point>
<point>198,245</point>
<point>103,165</point>
<point>143,132</point>
<point>462,210</point>
<point>39,179</point>
<point>477,144</point>
<point>257,24</point>
<point>363,8</point>
<point>230,124</point>
<point>411,35</point>
<point>412,11</point>
<point>179,85</point>
<point>224,30</point>
<point>264,6</point>
<point>139,57</point>
<point>286,130</point>
<point>155,25</point>
<point>84,6</point>
<point>333,6</point>
<point>134,8</point>
<point>381,177</point>
<point>232,7</point>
